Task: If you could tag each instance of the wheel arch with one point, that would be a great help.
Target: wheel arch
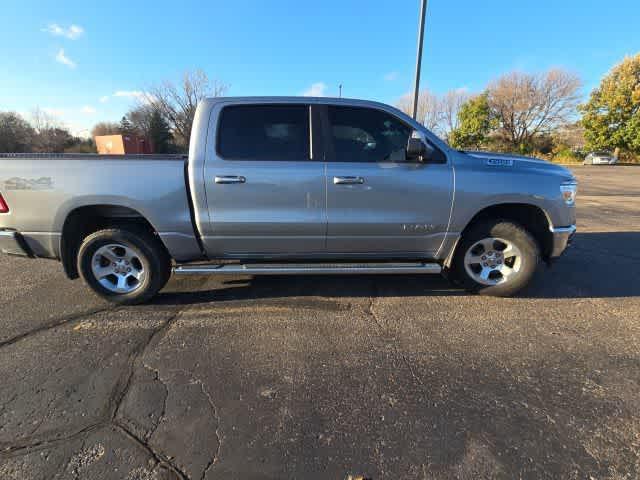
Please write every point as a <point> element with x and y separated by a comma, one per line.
<point>87,219</point>
<point>530,216</point>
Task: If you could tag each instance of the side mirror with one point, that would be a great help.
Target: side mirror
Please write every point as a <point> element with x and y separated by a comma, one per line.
<point>417,149</point>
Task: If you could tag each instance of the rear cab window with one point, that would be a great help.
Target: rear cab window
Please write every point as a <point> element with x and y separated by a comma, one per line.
<point>264,133</point>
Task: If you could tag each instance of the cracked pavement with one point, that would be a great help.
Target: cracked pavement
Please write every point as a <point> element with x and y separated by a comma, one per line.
<point>326,377</point>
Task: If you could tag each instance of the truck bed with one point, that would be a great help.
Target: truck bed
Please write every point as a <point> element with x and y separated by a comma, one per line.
<point>42,189</point>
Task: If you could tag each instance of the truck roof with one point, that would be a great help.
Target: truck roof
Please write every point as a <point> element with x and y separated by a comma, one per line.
<point>299,99</point>
<point>353,102</point>
<point>210,102</point>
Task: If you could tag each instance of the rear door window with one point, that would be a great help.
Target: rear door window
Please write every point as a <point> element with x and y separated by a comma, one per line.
<point>264,133</point>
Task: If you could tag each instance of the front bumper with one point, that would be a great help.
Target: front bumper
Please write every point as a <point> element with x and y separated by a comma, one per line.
<point>12,243</point>
<point>562,237</point>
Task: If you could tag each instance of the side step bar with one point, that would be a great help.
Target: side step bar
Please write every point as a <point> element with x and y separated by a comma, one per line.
<point>308,269</point>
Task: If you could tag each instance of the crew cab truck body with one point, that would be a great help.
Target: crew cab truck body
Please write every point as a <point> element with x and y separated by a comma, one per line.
<point>287,185</point>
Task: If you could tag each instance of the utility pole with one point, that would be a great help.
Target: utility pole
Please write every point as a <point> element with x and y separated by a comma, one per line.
<point>416,85</point>
<point>340,87</point>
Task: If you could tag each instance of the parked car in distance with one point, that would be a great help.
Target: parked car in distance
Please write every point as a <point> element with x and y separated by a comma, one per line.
<point>600,158</point>
<point>289,186</point>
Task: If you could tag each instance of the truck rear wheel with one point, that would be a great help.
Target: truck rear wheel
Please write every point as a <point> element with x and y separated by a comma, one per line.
<point>496,257</point>
<point>124,266</point>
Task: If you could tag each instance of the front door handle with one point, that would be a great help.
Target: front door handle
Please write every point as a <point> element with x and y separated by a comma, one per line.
<point>227,179</point>
<point>348,180</point>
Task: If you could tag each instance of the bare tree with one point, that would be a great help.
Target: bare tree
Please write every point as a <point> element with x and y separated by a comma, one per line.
<point>50,134</point>
<point>42,121</point>
<point>430,112</point>
<point>438,113</point>
<point>140,117</point>
<point>528,105</point>
<point>178,103</point>
<point>105,128</point>
<point>450,104</point>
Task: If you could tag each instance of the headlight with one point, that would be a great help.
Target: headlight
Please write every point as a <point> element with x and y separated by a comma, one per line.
<point>569,191</point>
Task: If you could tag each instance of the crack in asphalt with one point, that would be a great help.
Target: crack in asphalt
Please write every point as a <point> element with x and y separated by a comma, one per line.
<point>112,407</point>
<point>44,417</point>
<point>150,433</point>
<point>216,455</point>
<point>160,459</point>
<point>394,344</point>
<point>152,342</point>
<point>20,449</point>
<point>137,355</point>
<point>393,338</point>
<point>113,403</point>
<point>3,407</point>
<point>56,323</point>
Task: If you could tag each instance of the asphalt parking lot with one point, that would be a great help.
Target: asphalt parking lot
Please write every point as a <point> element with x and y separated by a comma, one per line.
<point>326,377</point>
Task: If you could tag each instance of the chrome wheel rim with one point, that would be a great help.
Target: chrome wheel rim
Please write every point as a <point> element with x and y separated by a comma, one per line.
<point>493,261</point>
<point>119,268</point>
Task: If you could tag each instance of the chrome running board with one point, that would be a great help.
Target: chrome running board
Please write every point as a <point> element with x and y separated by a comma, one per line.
<point>309,268</point>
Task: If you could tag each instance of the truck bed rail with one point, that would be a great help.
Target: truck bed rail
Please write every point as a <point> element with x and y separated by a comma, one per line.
<point>95,156</point>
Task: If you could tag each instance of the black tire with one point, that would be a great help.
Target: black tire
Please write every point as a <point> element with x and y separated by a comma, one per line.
<point>153,256</point>
<point>503,229</point>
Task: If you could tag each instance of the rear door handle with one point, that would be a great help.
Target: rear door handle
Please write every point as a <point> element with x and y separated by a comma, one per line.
<point>348,180</point>
<point>227,179</point>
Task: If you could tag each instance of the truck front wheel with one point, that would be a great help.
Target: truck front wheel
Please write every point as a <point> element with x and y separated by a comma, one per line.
<point>124,266</point>
<point>496,257</point>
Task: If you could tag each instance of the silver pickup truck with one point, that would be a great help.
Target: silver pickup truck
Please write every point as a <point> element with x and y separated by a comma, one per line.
<point>288,186</point>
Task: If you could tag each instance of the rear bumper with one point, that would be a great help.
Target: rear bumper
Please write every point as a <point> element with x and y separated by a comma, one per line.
<point>562,237</point>
<point>12,243</point>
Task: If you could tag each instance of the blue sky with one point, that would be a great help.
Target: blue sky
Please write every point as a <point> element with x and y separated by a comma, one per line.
<point>284,47</point>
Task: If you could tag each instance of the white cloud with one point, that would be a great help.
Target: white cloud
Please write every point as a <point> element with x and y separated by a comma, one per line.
<point>54,112</point>
<point>87,109</point>
<point>391,76</point>
<point>129,93</point>
<point>104,99</point>
<point>63,59</point>
<point>149,99</point>
<point>142,97</point>
<point>79,129</point>
<point>73,32</point>
<point>318,89</point>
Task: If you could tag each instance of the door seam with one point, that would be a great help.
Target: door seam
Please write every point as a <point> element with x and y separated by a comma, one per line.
<point>326,205</point>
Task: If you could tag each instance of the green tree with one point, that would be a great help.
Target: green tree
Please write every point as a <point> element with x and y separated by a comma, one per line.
<point>159,133</point>
<point>82,145</point>
<point>126,128</point>
<point>16,135</point>
<point>611,117</point>
<point>474,123</point>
